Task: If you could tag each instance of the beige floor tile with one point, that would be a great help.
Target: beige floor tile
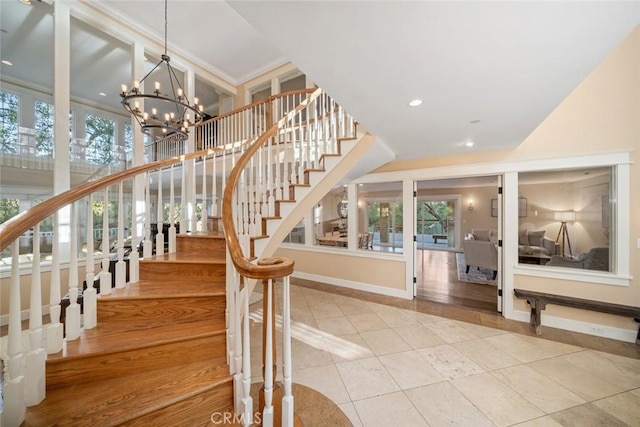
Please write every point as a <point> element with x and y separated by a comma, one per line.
<point>450,331</point>
<point>442,405</point>
<point>614,371</point>
<point>347,347</point>
<point>624,406</point>
<point>418,336</point>
<point>351,306</point>
<point>519,348</point>
<point>393,409</point>
<point>365,322</point>
<point>324,379</point>
<point>545,421</point>
<point>497,401</point>
<point>350,411</point>
<point>325,311</point>
<point>587,415</point>
<point>449,362</point>
<point>305,355</point>
<point>336,326</point>
<point>538,389</point>
<point>575,379</point>
<point>395,317</point>
<point>552,348</point>
<point>410,370</point>
<point>318,298</point>
<point>366,378</point>
<point>482,331</point>
<point>486,354</point>
<point>384,341</point>
<point>628,362</point>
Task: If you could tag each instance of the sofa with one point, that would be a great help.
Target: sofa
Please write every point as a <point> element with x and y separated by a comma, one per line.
<point>535,242</point>
<point>595,259</point>
<point>480,250</point>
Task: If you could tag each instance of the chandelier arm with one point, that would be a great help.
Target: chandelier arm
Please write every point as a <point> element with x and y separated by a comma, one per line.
<point>152,70</point>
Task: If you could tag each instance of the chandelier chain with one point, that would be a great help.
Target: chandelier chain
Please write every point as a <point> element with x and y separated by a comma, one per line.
<point>165,26</point>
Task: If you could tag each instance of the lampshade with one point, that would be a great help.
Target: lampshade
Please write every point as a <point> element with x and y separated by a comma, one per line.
<point>564,216</point>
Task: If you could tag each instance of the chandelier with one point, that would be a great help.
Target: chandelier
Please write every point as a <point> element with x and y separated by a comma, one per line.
<point>165,113</point>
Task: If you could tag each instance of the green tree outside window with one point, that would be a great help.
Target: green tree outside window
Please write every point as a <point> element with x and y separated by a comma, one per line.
<point>8,123</point>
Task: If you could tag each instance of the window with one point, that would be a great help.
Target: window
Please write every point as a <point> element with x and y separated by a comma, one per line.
<point>330,219</point>
<point>8,123</point>
<point>381,213</point>
<point>100,140</point>
<point>44,128</point>
<point>297,234</point>
<point>568,222</point>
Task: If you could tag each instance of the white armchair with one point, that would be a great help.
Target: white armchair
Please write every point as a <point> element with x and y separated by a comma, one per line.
<point>481,254</point>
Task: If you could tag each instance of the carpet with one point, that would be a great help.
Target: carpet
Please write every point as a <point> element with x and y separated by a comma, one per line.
<point>475,275</point>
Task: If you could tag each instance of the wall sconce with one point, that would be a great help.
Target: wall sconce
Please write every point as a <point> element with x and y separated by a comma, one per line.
<point>470,207</point>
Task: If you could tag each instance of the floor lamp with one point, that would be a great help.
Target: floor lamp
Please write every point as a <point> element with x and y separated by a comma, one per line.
<point>564,217</point>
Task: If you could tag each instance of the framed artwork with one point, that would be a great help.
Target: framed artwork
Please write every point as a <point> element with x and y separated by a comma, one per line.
<point>522,207</point>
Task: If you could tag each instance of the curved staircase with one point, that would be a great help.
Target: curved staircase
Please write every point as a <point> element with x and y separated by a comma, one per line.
<point>158,355</point>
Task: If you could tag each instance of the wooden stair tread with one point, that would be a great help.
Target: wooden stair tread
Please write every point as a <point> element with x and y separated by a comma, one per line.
<point>115,401</point>
<point>168,289</point>
<point>114,337</point>
<point>203,234</point>
<point>195,258</point>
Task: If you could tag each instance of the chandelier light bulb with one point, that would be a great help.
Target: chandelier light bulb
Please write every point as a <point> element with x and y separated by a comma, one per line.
<point>172,115</point>
<point>136,84</point>
<point>124,88</point>
<point>145,116</point>
<point>157,85</point>
<point>166,117</point>
<point>137,105</point>
<point>154,111</point>
<point>179,91</point>
<point>195,100</point>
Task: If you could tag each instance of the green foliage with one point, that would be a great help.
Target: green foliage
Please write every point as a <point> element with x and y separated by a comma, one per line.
<point>8,209</point>
<point>44,128</point>
<point>8,123</point>
<point>100,140</point>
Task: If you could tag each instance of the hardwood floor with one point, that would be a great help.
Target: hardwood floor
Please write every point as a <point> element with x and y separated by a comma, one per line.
<point>437,280</point>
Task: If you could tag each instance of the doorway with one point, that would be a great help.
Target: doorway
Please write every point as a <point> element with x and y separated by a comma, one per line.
<point>445,212</point>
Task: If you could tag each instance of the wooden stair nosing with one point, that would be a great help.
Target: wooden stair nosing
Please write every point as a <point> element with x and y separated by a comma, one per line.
<point>164,289</point>
<point>80,348</point>
<point>102,366</point>
<point>115,401</point>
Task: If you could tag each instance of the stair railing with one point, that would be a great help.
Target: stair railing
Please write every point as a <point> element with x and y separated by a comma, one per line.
<point>260,188</point>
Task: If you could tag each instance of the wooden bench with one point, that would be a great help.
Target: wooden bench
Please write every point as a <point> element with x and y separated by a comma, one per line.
<point>539,300</point>
<point>437,237</point>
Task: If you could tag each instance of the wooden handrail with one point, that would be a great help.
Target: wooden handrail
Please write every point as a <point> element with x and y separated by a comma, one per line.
<point>267,268</point>
<point>262,101</point>
<point>19,224</point>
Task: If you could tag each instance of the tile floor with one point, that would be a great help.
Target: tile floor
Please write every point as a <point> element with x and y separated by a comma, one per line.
<point>390,366</point>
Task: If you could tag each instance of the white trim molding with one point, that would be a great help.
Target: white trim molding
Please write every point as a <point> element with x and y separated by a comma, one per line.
<point>350,284</point>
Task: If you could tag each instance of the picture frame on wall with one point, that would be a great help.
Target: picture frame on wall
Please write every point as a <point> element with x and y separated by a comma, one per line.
<point>522,207</point>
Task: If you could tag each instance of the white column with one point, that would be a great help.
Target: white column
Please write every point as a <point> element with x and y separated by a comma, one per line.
<point>62,105</point>
<point>137,198</point>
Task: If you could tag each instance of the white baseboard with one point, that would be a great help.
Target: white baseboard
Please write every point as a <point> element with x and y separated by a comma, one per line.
<point>594,329</point>
<point>375,289</point>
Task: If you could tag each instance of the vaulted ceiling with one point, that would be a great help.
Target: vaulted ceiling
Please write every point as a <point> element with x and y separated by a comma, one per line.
<point>487,72</point>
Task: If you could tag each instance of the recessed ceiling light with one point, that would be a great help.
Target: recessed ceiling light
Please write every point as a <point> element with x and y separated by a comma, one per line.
<point>102,94</point>
<point>5,62</point>
<point>474,122</point>
<point>145,58</point>
<point>469,143</point>
<point>28,2</point>
<point>415,102</point>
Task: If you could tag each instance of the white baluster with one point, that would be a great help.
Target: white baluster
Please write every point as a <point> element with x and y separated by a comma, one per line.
<point>54,329</point>
<point>247,400</point>
<point>214,190</point>
<point>287,398</point>
<point>267,413</point>
<point>172,227</point>
<point>121,266</point>
<point>89,301</point>
<point>72,319</point>
<point>105,275</point>
<point>35,360</point>
<point>134,256</point>
<point>237,356</point>
<point>147,245</point>
<point>13,392</point>
<point>159,217</point>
